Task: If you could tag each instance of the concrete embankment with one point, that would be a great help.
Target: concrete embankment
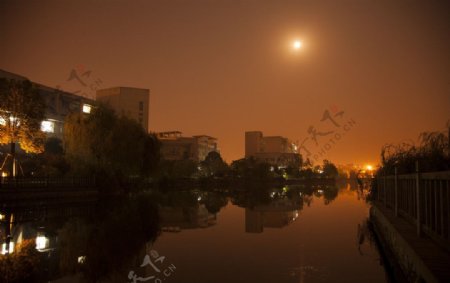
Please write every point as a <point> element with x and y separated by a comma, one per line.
<point>419,258</point>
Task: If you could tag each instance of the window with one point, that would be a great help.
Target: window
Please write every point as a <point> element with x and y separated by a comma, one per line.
<point>141,106</point>
<point>48,126</point>
<point>87,108</point>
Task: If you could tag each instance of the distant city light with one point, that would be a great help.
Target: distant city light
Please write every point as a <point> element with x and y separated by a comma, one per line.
<point>2,216</point>
<point>369,167</point>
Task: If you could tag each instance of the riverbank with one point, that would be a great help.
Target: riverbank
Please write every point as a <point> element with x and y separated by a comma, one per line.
<point>418,257</point>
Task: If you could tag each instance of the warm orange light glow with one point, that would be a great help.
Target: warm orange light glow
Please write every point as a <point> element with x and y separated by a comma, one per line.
<point>369,167</point>
<point>297,44</point>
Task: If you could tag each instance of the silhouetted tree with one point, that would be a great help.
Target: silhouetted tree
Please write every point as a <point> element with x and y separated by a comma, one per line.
<point>432,153</point>
<point>251,169</point>
<point>213,165</point>
<point>329,169</point>
<point>107,144</point>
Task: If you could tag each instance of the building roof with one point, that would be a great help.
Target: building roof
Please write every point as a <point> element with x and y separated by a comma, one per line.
<point>205,136</point>
<point>124,87</point>
<point>9,75</point>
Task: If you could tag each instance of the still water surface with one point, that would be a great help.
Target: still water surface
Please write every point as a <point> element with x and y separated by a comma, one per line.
<point>290,234</point>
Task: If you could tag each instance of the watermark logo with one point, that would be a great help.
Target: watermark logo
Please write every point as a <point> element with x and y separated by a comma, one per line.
<point>82,82</point>
<point>162,271</point>
<point>319,142</point>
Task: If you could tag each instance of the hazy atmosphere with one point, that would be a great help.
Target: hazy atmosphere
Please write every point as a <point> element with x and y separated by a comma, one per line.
<point>225,67</point>
<point>242,141</point>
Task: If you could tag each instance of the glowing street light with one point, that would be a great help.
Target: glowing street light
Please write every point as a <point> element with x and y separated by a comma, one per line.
<point>369,167</point>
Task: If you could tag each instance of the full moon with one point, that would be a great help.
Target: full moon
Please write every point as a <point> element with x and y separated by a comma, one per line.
<point>297,44</point>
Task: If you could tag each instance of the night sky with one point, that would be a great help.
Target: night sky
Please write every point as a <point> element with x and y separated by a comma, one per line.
<point>221,67</point>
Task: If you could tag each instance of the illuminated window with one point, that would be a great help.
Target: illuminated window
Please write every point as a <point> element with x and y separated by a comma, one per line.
<point>48,126</point>
<point>87,108</point>
<point>41,242</point>
<point>2,121</point>
<point>10,250</point>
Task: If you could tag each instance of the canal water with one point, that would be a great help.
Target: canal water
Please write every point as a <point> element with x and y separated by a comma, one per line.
<point>289,234</point>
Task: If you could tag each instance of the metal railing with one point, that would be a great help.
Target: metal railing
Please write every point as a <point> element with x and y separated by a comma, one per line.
<point>46,182</point>
<point>421,198</point>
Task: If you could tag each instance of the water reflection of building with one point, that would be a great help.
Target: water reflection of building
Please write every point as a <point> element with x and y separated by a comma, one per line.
<point>275,150</point>
<point>175,219</point>
<point>36,222</point>
<point>279,213</point>
<point>176,147</point>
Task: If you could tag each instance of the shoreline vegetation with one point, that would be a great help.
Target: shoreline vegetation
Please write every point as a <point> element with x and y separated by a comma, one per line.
<point>432,154</point>
<point>120,156</point>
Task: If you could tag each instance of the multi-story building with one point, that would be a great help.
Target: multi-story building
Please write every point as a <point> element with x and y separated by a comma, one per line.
<point>277,214</point>
<point>176,147</point>
<point>275,150</point>
<point>175,219</point>
<point>58,104</point>
<point>128,101</point>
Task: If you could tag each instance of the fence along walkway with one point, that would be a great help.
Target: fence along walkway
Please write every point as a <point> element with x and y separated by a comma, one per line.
<point>43,182</point>
<point>422,199</point>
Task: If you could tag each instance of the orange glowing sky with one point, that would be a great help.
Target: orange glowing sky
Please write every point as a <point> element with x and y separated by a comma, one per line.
<point>221,67</point>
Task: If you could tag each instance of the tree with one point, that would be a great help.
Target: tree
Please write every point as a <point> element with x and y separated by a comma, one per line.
<point>23,265</point>
<point>183,168</point>
<point>432,153</point>
<point>21,113</point>
<point>52,160</point>
<point>104,143</point>
<point>213,165</point>
<point>251,169</point>
<point>329,169</point>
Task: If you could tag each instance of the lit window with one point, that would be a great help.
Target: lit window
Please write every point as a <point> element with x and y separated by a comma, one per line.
<point>10,250</point>
<point>2,121</point>
<point>87,108</point>
<point>41,242</point>
<point>48,126</point>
